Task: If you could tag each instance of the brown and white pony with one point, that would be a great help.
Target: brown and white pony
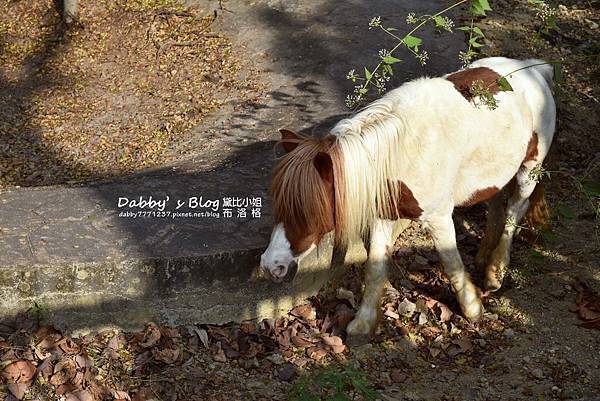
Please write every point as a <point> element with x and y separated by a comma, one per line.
<point>417,153</point>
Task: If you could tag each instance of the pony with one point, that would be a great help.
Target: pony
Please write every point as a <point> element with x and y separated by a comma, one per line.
<point>416,153</point>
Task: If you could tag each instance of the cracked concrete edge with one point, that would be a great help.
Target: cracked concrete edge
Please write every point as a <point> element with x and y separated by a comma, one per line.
<point>215,289</point>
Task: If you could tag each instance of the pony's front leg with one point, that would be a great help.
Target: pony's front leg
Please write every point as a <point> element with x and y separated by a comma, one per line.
<point>442,231</point>
<point>365,321</point>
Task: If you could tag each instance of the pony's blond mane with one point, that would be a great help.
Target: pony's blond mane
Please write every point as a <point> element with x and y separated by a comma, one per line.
<point>367,155</point>
<point>372,143</point>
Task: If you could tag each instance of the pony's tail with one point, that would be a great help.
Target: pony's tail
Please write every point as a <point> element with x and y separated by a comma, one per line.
<point>537,214</point>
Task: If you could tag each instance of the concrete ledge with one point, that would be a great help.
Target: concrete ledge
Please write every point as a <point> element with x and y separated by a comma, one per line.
<point>93,296</point>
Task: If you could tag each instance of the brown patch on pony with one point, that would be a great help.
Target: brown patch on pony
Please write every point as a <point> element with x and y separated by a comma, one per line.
<point>480,196</point>
<point>463,80</point>
<point>403,205</point>
<point>537,214</point>
<point>532,148</point>
<point>305,190</point>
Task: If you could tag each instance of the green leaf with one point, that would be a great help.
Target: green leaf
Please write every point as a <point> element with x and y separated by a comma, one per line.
<point>477,10</point>
<point>548,236</point>
<point>464,28</point>
<point>474,43</point>
<point>391,60</point>
<point>368,74</point>
<point>567,212</point>
<point>412,41</point>
<point>388,69</point>
<point>504,84</point>
<point>363,91</point>
<point>551,23</point>
<point>478,31</point>
<point>535,1</point>
<point>479,7</point>
<point>391,29</point>
<point>439,21</point>
<point>591,188</point>
<point>485,5</point>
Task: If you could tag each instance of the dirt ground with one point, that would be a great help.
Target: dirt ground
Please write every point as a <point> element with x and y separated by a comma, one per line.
<point>113,94</point>
<point>531,344</point>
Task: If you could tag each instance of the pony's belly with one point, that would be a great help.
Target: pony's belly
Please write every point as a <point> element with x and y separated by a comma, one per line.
<point>480,180</point>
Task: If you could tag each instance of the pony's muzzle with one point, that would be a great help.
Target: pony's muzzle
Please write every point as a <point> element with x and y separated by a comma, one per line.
<point>282,273</point>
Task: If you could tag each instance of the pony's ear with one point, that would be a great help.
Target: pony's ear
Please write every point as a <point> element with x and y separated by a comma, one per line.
<point>324,166</point>
<point>289,140</point>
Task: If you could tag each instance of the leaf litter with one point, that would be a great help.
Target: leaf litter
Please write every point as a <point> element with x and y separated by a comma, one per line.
<point>116,93</point>
<point>192,361</point>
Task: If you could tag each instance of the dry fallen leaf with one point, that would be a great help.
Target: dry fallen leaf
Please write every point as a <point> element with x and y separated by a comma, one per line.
<point>83,361</point>
<point>203,336</point>
<point>302,342</point>
<point>45,368</point>
<point>65,388</point>
<point>445,312</point>
<point>19,372</point>
<point>588,306</point>
<point>220,355</point>
<point>120,395</point>
<point>169,332</point>
<point>406,308</point>
<point>391,314</point>
<point>151,336</point>
<point>81,395</point>
<point>167,355</point>
<point>307,312</point>
<point>316,353</point>
<point>18,390</point>
<point>335,343</point>
<point>68,345</point>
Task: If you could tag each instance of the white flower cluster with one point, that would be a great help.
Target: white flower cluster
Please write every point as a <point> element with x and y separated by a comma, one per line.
<point>351,75</point>
<point>448,24</point>
<point>411,18</point>
<point>380,80</point>
<point>422,57</point>
<point>465,58</point>
<point>545,11</point>
<point>351,101</point>
<point>384,53</point>
<point>375,22</point>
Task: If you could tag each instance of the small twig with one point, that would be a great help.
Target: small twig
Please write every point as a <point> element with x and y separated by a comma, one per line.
<point>175,13</point>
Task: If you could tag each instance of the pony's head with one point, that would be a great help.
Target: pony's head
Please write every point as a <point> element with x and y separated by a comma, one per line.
<point>304,201</point>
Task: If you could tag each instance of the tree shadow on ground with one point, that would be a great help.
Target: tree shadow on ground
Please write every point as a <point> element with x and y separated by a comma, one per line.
<point>19,110</point>
<point>301,52</point>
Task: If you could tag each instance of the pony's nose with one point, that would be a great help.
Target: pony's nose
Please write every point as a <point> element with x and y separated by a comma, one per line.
<point>279,272</point>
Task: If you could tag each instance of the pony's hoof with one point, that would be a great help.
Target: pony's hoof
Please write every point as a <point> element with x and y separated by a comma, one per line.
<point>474,312</point>
<point>493,278</point>
<point>359,332</point>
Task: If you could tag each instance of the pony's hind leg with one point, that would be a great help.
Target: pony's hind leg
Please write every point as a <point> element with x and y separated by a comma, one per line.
<point>518,203</point>
<point>444,237</point>
<point>494,226</point>
<point>362,327</point>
